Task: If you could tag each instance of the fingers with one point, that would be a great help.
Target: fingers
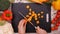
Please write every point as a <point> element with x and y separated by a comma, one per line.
<point>37,28</point>
<point>22,26</point>
<point>22,23</point>
<point>40,31</point>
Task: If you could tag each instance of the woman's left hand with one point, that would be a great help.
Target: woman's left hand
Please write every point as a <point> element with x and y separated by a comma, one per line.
<point>22,26</point>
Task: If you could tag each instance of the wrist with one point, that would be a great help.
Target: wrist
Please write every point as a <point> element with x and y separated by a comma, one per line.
<point>21,32</point>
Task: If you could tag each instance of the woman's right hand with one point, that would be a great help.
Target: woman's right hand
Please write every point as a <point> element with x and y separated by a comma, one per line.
<point>40,31</point>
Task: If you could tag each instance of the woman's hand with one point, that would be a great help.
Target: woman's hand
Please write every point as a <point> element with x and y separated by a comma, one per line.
<point>40,31</point>
<point>22,26</point>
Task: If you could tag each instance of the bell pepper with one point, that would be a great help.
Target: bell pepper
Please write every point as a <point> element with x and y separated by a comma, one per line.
<point>0,18</point>
<point>7,15</point>
<point>56,4</point>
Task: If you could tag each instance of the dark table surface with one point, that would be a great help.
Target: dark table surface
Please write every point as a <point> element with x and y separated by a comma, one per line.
<point>21,7</point>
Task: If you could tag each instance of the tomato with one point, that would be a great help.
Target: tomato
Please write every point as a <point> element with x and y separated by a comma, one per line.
<point>53,21</point>
<point>52,28</point>
<point>56,27</point>
<point>57,24</point>
<point>56,21</point>
<point>58,12</point>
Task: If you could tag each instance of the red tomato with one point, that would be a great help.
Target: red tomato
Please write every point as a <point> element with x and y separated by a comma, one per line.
<point>56,27</point>
<point>52,28</point>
